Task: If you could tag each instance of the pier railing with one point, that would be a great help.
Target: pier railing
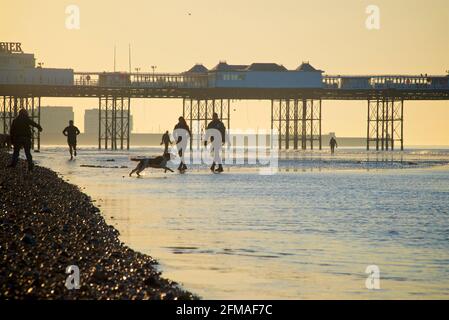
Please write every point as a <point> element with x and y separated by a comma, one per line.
<point>141,80</point>
<point>404,82</point>
<point>186,80</point>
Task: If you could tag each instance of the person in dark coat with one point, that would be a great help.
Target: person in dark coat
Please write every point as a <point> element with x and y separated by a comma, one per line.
<point>166,141</point>
<point>71,132</point>
<point>20,133</point>
<point>333,144</point>
<point>182,133</point>
<point>216,124</point>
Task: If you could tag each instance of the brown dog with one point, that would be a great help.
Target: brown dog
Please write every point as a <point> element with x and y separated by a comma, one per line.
<point>159,162</point>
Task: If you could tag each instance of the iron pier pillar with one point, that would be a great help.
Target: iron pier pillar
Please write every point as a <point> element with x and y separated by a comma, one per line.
<point>198,113</point>
<point>385,123</point>
<point>297,120</point>
<point>114,124</point>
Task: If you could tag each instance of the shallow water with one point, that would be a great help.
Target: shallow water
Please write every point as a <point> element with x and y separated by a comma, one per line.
<point>308,231</point>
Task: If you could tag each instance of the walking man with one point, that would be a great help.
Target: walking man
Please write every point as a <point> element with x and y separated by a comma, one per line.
<point>71,132</point>
<point>166,141</point>
<point>216,129</point>
<point>182,133</point>
<point>20,133</point>
<point>333,145</point>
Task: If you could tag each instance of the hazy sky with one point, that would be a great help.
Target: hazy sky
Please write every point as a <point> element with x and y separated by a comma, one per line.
<point>413,39</point>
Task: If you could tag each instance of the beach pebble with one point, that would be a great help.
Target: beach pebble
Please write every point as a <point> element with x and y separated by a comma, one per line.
<point>28,239</point>
<point>47,225</point>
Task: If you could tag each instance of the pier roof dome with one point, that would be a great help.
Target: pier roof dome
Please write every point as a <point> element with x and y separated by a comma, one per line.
<point>266,67</point>
<point>223,66</point>
<point>307,67</point>
<point>197,68</point>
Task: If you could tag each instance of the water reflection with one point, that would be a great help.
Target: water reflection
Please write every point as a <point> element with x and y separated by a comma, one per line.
<point>307,232</point>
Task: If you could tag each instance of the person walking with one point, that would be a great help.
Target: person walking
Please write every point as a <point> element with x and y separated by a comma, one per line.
<point>219,128</point>
<point>71,132</point>
<point>182,133</point>
<point>166,141</point>
<point>333,144</point>
<point>20,134</point>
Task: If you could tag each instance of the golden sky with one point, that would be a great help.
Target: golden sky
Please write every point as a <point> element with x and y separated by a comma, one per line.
<point>174,34</point>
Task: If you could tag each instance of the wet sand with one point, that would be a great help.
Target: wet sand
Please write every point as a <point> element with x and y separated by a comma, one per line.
<point>47,224</point>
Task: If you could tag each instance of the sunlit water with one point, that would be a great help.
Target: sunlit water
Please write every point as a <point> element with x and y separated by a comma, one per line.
<point>308,231</point>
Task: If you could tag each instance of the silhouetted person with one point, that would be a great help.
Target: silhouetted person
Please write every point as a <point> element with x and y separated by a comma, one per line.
<point>166,141</point>
<point>20,133</point>
<point>181,133</point>
<point>217,125</point>
<point>333,145</point>
<point>71,132</point>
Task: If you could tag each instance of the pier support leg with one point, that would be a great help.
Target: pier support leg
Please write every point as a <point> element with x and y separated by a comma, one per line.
<point>304,125</point>
<point>114,122</point>
<point>385,123</point>
<point>295,125</point>
<point>297,119</point>
<point>198,113</point>
<point>10,106</point>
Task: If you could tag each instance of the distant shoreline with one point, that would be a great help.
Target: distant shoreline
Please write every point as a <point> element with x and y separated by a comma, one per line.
<point>325,147</point>
<point>47,225</point>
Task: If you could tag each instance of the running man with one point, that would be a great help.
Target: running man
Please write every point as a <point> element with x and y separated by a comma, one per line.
<point>218,125</point>
<point>71,132</point>
<point>333,145</point>
<point>166,141</point>
<point>20,134</point>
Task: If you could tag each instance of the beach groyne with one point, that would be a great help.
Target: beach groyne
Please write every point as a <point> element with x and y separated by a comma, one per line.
<point>47,225</point>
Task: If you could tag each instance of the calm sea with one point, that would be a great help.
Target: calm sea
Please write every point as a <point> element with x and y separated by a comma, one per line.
<point>309,231</point>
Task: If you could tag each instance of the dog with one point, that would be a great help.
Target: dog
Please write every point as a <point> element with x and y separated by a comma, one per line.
<point>159,162</point>
<point>5,141</point>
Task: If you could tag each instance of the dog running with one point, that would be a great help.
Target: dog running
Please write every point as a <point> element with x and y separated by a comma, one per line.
<point>159,162</point>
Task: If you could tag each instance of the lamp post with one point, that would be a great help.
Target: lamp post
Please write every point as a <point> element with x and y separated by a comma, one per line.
<point>137,72</point>
<point>153,68</point>
<point>39,66</point>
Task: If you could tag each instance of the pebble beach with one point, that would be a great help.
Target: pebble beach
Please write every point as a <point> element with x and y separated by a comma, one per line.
<point>47,224</point>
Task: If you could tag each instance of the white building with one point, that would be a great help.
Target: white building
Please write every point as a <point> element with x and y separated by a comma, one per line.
<point>17,67</point>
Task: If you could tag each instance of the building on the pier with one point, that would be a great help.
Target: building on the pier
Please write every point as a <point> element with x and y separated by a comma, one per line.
<point>197,69</point>
<point>17,67</point>
<point>260,75</point>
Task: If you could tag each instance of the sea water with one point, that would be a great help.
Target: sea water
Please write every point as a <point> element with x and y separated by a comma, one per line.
<point>308,231</point>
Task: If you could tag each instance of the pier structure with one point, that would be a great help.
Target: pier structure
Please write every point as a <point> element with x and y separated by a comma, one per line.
<point>114,122</point>
<point>10,106</point>
<point>297,122</point>
<point>385,128</point>
<point>198,113</point>
<point>296,96</point>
